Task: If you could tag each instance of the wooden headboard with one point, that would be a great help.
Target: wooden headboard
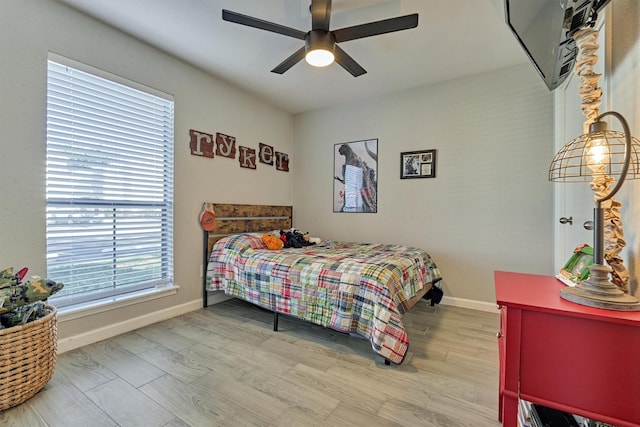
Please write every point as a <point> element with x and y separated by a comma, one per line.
<point>235,219</point>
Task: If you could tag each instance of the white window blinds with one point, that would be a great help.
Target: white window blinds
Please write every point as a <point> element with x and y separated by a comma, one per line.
<point>109,186</point>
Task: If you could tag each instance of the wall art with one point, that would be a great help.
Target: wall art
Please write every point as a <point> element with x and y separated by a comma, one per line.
<point>207,145</point>
<point>355,176</point>
<point>418,164</point>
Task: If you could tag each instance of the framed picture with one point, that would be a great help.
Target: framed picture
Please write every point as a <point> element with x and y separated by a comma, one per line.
<point>418,164</point>
<point>576,268</point>
<point>355,176</point>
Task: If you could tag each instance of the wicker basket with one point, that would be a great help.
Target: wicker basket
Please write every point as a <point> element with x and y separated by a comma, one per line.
<point>27,359</point>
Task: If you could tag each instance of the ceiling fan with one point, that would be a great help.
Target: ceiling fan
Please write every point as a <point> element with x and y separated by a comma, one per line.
<point>321,44</point>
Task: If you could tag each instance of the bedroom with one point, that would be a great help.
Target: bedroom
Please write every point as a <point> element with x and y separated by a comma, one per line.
<point>489,211</point>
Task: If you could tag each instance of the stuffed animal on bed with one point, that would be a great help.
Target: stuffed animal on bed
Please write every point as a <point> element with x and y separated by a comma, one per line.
<point>295,239</point>
<point>272,242</point>
<point>314,240</point>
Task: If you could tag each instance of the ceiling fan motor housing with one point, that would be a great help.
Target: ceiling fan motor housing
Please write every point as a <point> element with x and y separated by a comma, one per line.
<point>320,39</point>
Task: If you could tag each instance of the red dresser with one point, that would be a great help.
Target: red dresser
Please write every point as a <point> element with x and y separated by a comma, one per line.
<point>566,356</point>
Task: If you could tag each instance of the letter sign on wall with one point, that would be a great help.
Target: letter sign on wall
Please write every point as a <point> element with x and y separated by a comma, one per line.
<point>282,161</point>
<point>201,143</point>
<point>247,157</point>
<point>266,154</point>
<point>206,145</point>
<point>226,145</point>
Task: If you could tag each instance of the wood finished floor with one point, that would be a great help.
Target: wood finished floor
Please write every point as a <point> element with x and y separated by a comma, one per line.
<point>224,366</point>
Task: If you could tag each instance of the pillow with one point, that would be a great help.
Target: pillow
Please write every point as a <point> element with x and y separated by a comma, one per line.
<point>238,244</point>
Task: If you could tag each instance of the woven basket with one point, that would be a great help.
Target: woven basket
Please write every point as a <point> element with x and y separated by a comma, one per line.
<point>27,359</point>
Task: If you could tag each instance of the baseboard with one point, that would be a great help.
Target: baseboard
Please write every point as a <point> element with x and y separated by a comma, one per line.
<point>95,335</point>
<point>216,297</point>
<point>469,303</point>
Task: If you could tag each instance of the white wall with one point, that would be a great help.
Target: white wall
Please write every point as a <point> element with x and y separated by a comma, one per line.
<point>625,99</point>
<point>31,28</point>
<point>490,206</point>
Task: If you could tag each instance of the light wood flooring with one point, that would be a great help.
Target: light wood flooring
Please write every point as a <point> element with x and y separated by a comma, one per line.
<point>224,366</point>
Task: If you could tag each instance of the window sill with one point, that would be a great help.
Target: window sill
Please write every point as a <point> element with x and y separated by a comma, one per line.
<point>81,310</point>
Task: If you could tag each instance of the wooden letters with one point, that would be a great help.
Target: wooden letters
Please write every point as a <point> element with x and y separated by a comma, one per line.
<point>282,161</point>
<point>206,145</point>
<point>247,157</point>
<point>226,145</point>
<point>266,154</point>
<point>201,143</point>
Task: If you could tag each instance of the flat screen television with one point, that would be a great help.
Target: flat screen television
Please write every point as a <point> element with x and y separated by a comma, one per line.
<point>545,28</point>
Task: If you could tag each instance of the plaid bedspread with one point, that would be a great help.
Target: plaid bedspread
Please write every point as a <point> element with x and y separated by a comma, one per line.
<point>354,288</point>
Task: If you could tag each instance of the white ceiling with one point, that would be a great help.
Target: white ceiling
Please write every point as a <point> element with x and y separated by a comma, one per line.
<point>454,38</point>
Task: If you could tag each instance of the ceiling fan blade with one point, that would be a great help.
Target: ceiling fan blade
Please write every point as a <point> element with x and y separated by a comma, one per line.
<point>375,28</point>
<point>290,61</point>
<point>320,14</point>
<point>348,63</point>
<point>250,21</point>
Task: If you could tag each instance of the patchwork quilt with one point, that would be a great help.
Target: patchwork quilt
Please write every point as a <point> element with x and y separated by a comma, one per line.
<point>355,288</point>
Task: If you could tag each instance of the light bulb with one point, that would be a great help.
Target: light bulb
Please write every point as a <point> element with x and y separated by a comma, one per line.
<point>597,154</point>
<point>319,57</point>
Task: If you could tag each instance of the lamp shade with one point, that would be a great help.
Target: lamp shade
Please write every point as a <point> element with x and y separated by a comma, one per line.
<point>600,151</point>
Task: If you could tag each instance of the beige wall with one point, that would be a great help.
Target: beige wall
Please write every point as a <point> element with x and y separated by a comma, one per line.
<point>490,206</point>
<point>31,28</point>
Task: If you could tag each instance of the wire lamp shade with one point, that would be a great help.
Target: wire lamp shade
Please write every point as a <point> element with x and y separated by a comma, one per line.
<point>571,163</point>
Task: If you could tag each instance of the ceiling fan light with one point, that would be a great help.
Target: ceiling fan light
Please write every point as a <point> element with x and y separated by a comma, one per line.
<point>319,45</point>
<point>319,57</point>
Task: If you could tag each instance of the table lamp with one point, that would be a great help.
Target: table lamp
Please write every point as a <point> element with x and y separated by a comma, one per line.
<point>598,156</point>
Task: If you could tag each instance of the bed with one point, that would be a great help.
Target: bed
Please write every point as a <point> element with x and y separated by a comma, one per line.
<point>355,288</point>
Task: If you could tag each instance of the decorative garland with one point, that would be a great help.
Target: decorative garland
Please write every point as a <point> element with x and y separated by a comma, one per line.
<point>587,42</point>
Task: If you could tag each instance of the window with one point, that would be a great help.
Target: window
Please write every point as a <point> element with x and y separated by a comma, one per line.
<point>109,184</point>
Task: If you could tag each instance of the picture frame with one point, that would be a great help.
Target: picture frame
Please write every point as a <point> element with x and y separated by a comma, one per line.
<point>576,268</point>
<point>355,176</point>
<point>418,164</point>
